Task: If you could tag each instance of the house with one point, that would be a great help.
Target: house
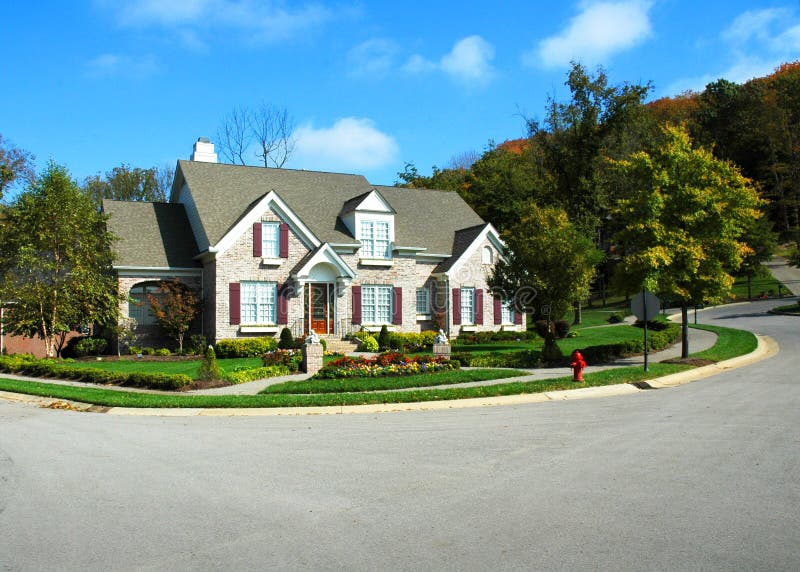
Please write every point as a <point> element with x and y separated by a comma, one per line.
<point>273,248</point>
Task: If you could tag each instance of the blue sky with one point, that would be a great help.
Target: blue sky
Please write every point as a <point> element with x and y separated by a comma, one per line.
<point>371,85</point>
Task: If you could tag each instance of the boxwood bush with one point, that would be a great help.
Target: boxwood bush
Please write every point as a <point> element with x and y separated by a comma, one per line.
<point>244,347</point>
<point>665,335</point>
<point>245,375</point>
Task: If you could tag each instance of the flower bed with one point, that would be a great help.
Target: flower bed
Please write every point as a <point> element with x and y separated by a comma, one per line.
<point>291,359</point>
<point>389,363</point>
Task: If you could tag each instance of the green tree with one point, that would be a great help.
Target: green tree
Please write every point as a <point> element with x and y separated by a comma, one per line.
<point>175,308</point>
<point>126,183</point>
<point>599,120</point>
<point>55,261</point>
<point>683,222</point>
<point>15,164</point>
<point>761,240</point>
<point>548,265</point>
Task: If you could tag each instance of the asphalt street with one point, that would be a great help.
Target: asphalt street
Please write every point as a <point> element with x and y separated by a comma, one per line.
<point>704,476</point>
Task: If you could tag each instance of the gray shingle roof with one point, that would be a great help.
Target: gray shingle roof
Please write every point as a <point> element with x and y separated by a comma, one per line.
<point>151,234</point>
<point>224,193</point>
<point>461,241</point>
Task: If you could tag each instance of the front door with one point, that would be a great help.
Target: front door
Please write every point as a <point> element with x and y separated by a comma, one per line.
<point>319,310</point>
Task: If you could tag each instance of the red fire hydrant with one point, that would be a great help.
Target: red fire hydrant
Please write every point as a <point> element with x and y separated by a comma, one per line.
<point>578,364</point>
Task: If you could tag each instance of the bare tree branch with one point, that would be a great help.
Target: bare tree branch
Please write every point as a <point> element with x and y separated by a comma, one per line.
<point>235,135</point>
<point>273,128</point>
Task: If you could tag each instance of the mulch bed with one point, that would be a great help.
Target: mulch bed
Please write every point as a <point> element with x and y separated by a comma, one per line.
<point>696,362</point>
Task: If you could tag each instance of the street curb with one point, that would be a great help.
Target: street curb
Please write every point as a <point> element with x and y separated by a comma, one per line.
<point>767,348</point>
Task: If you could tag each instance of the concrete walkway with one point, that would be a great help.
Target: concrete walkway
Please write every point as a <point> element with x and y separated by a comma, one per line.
<point>786,273</point>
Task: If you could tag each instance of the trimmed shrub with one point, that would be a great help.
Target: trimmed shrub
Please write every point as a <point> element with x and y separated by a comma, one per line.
<point>551,353</point>
<point>656,340</point>
<point>197,344</point>
<point>286,340</point>
<point>90,346</point>
<point>615,318</point>
<point>561,328</point>
<point>520,359</point>
<point>134,350</point>
<point>489,337</point>
<point>369,344</point>
<point>543,328</point>
<point>252,374</point>
<point>148,351</point>
<point>245,347</point>
<point>383,339</point>
<point>163,352</point>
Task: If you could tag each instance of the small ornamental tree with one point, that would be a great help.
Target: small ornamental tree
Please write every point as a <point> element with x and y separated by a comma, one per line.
<point>174,309</point>
<point>209,368</point>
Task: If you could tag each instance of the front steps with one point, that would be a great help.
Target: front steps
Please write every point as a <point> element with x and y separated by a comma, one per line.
<point>336,344</point>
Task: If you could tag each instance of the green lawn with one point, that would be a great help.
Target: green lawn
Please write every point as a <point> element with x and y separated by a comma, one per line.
<point>390,382</point>
<point>790,309</point>
<point>591,317</point>
<point>187,367</point>
<point>762,283</point>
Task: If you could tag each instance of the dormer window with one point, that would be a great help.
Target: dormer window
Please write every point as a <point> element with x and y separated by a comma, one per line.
<point>374,237</point>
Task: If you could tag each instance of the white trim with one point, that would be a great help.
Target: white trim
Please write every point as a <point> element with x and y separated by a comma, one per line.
<point>272,261</point>
<point>257,329</point>
<point>325,254</point>
<point>377,328</point>
<point>127,271</point>
<point>387,208</point>
<point>387,262</point>
<point>490,233</point>
<point>408,248</point>
<point>270,201</point>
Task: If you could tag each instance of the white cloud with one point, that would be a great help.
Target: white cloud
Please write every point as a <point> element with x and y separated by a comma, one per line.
<point>115,65</point>
<point>758,41</point>
<point>350,144</point>
<point>373,58</point>
<point>468,62</point>
<point>252,20</point>
<point>601,30</point>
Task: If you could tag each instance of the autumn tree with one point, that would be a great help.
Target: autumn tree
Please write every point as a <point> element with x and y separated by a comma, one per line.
<point>55,261</point>
<point>15,164</point>
<point>683,215</point>
<point>174,308</point>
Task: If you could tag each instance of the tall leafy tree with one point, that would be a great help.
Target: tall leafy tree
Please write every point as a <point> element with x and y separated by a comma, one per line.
<point>683,215</point>
<point>549,264</point>
<point>15,164</point>
<point>126,183</point>
<point>55,261</point>
<point>599,120</point>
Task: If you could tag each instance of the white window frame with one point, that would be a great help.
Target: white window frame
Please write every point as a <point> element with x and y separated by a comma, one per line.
<point>259,303</point>
<point>375,237</point>
<point>423,301</point>
<point>507,313</point>
<point>376,304</point>
<point>487,255</point>
<point>270,239</point>
<point>468,306</point>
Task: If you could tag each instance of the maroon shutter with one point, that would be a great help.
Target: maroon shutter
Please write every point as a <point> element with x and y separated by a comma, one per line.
<point>235,302</point>
<point>479,306</point>
<point>356,305</point>
<point>456,306</point>
<point>498,311</point>
<point>284,240</point>
<point>283,304</point>
<point>518,317</point>
<point>397,305</point>
<point>257,239</point>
